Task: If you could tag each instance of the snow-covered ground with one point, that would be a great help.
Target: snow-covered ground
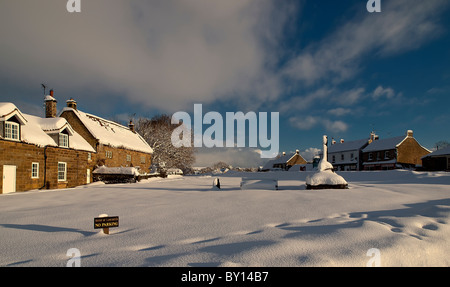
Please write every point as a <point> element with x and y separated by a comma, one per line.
<point>182,221</point>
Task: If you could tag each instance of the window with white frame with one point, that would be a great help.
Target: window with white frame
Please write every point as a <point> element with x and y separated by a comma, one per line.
<point>35,170</point>
<point>11,130</point>
<point>63,140</point>
<point>370,156</point>
<point>89,156</point>
<point>62,171</point>
<point>128,157</point>
<point>109,154</point>
<point>142,159</point>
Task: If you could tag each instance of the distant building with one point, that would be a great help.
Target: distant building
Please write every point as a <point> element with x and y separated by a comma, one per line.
<point>347,155</point>
<point>437,161</point>
<point>284,162</point>
<point>396,152</point>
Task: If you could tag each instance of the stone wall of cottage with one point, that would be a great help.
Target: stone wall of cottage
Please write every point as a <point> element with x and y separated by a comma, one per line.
<point>117,157</point>
<point>77,165</point>
<point>411,152</point>
<point>22,156</point>
<point>79,127</point>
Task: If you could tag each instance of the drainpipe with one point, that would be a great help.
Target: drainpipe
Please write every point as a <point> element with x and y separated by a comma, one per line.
<point>45,168</point>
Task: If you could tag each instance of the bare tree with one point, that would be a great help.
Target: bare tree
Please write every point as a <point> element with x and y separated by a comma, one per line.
<point>442,144</point>
<point>157,131</point>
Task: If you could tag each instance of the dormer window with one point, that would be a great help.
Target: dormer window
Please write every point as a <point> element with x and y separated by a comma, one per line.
<point>12,130</point>
<point>63,140</point>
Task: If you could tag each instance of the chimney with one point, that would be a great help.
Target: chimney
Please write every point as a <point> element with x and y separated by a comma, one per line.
<point>297,152</point>
<point>50,106</point>
<point>131,126</point>
<point>72,104</point>
<point>373,137</point>
<point>342,141</point>
<point>409,133</point>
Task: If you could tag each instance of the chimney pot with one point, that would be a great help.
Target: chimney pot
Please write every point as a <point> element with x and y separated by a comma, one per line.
<point>71,103</point>
<point>342,140</point>
<point>410,133</point>
<point>131,126</point>
<point>50,106</point>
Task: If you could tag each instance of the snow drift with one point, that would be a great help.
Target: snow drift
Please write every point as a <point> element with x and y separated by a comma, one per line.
<point>181,221</point>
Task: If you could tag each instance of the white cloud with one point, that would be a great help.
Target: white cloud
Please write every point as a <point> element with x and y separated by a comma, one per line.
<point>310,122</point>
<point>402,26</point>
<point>309,153</point>
<point>335,126</point>
<point>339,112</point>
<point>304,102</point>
<point>303,123</point>
<point>380,92</point>
<point>161,54</point>
<point>350,97</point>
<point>237,157</point>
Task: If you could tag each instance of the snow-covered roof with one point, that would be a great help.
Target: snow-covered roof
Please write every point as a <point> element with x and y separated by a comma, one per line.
<point>30,132</point>
<point>391,161</point>
<point>111,133</point>
<point>53,125</point>
<point>439,152</point>
<point>278,160</point>
<point>347,146</point>
<point>49,98</point>
<point>7,110</point>
<point>116,170</point>
<point>384,144</point>
<point>35,130</point>
<point>283,159</point>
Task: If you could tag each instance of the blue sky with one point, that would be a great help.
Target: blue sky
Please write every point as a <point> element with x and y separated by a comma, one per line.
<point>328,67</point>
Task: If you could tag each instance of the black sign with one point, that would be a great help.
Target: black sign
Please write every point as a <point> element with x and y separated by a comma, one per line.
<point>106,222</point>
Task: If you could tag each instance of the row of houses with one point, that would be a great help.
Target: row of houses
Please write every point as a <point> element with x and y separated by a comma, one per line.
<point>378,154</point>
<point>370,153</point>
<point>62,151</point>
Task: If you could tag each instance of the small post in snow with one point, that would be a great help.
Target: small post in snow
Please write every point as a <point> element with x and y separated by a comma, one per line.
<point>216,184</point>
<point>105,222</point>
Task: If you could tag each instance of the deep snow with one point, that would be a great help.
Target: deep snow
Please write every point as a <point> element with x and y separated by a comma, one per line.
<point>182,221</point>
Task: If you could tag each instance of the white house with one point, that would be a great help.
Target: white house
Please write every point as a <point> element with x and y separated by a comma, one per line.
<point>347,155</point>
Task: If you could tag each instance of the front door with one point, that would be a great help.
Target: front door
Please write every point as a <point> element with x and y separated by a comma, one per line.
<point>88,176</point>
<point>9,179</point>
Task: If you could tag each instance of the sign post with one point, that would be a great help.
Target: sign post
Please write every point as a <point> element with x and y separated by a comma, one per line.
<point>106,222</point>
